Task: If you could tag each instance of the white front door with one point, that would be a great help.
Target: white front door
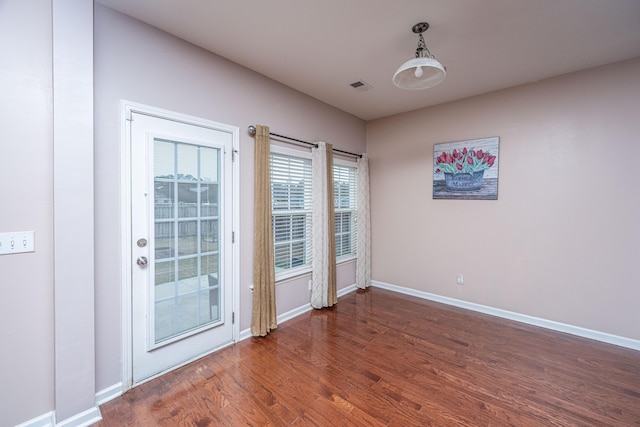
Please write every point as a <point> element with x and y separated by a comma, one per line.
<point>181,242</point>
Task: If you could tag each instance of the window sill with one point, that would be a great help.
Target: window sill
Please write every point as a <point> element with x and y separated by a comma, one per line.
<point>345,259</point>
<point>292,273</point>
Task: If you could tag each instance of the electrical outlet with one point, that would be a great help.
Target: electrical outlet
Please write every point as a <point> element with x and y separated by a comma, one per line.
<point>17,242</point>
<point>460,279</point>
<point>310,284</point>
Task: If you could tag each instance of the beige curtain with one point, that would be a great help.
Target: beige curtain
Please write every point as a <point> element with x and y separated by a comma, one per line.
<point>323,288</point>
<point>263,315</point>
<point>332,290</point>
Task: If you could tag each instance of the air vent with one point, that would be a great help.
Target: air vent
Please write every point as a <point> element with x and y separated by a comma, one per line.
<point>361,86</point>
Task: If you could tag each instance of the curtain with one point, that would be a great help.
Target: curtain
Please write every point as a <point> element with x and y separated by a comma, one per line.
<point>363,268</point>
<point>263,315</point>
<point>323,288</point>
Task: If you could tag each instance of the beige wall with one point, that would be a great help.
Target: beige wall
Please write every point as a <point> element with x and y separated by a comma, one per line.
<point>26,175</point>
<point>561,241</point>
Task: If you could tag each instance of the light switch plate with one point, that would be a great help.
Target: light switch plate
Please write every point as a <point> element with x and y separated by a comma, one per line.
<point>17,242</point>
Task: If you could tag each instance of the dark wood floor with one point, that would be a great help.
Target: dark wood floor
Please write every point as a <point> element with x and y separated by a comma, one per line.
<point>384,359</point>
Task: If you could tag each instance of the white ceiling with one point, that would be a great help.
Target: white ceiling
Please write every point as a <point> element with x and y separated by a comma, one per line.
<point>320,47</point>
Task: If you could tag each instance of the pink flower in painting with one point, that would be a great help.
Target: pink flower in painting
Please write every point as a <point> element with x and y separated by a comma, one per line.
<point>466,160</point>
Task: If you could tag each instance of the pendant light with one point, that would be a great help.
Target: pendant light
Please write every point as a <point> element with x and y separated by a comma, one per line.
<point>423,71</point>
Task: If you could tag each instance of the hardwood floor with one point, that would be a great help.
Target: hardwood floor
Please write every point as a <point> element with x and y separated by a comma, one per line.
<point>385,359</point>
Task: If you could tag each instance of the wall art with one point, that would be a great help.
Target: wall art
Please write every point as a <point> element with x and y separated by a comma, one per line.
<point>466,170</point>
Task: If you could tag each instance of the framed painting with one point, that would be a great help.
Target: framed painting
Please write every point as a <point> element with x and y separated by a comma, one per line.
<point>466,170</point>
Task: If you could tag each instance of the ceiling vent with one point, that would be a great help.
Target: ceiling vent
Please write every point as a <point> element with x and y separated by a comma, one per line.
<point>361,86</point>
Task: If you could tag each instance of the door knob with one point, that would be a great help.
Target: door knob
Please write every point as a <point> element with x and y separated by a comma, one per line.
<point>142,261</point>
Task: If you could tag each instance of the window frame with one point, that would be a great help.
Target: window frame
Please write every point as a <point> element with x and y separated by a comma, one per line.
<point>292,272</point>
<point>353,255</point>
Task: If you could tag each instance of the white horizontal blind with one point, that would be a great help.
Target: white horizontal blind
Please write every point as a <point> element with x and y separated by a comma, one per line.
<point>344,194</point>
<point>291,207</point>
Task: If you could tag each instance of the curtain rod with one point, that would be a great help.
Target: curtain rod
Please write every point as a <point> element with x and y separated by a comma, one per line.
<point>252,132</point>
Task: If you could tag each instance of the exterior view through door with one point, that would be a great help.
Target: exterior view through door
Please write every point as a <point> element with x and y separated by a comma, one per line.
<point>181,241</point>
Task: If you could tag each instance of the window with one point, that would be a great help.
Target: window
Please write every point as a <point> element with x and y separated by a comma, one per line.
<point>344,195</point>
<point>291,206</point>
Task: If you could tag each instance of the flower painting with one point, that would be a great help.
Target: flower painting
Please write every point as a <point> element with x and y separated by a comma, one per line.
<point>466,169</point>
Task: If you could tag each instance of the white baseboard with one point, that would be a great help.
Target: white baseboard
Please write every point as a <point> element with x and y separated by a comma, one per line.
<point>348,289</point>
<point>296,312</point>
<point>109,393</point>
<point>86,418</point>
<point>45,420</point>
<point>83,419</point>
<point>523,318</point>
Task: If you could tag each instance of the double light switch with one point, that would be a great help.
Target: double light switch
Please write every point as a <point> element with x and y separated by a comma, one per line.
<point>17,242</point>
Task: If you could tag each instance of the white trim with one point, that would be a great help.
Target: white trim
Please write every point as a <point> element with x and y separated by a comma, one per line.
<point>83,419</point>
<point>523,318</point>
<point>109,393</point>
<point>346,258</point>
<point>125,232</point>
<point>302,152</point>
<point>126,109</point>
<point>352,163</point>
<point>235,227</point>
<point>244,334</point>
<point>292,273</point>
<point>346,290</point>
<point>45,420</point>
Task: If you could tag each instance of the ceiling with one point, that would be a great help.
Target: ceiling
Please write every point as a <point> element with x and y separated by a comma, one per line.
<point>321,47</point>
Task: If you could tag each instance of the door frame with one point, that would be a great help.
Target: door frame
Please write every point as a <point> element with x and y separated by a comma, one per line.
<point>127,108</point>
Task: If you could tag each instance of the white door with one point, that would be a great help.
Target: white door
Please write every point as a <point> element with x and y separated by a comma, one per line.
<point>181,214</point>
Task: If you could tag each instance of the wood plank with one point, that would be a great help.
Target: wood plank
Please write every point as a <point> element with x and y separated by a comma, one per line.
<point>384,359</point>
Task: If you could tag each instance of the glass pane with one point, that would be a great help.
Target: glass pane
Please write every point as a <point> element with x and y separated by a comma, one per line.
<point>209,235</point>
<point>282,228</point>
<point>164,274</point>
<point>165,320</point>
<point>282,256</point>
<point>346,222</point>
<point>346,244</point>
<point>298,226</point>
<point>210,265</point>
<point>209,164</point>
<point>297,254</point>
<point>211,299</point>
<point>163,198</point>
<point>187,162</point>
<point>188,199</point>
<point>164,159</point>
<point>209,200</point>
<point>187,272</point>
<point>280,196</point>
<point>187,238</point>
<point>187,313</point>
<point>164,244</point>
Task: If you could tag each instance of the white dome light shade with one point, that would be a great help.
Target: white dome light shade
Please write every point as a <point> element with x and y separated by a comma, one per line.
<point>419,73</point>
<point>422,72</point>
